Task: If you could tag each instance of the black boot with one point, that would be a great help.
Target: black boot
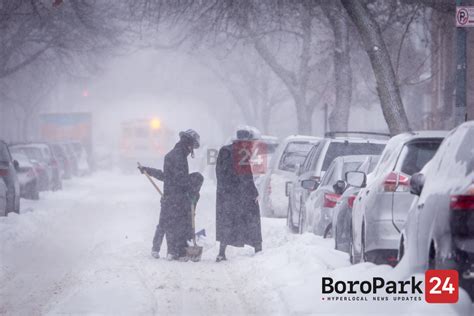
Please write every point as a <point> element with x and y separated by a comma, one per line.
<point>258,248</point>
<point>221,255</point>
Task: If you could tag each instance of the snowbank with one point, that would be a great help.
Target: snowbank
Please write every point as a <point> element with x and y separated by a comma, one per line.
<point>86,250</point>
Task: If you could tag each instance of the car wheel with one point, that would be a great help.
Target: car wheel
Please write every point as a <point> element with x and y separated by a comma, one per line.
<point>328,231</point>
<point>362,245</point>
<point>401,249</point>
<point>289,219</point>
<point>35,191</point>
<point>301,220</point>
<point>351,253</point>
<point>336,246</point>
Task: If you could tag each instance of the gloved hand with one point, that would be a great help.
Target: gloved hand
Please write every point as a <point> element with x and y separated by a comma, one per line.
<point>141,169</point>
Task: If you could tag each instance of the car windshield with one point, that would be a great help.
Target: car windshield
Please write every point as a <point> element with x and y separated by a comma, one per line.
<point>415,155</point>
<point>302,147</point>
<point>337,149</point>
<point>295,153</point>
<point>33,153</point>
<point>290,160</point>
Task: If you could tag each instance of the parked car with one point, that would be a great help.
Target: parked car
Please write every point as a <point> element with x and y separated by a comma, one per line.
<point>42,167</point>
<point>316,164</point>
<point>83,165</point>
<point>289,156</point>
<point>72,158</point>
<point>342,214</point>
<point>3,198</point>
<point>27,177</point>
<point>439,232</point>
<point>266,149</point>
<point>8,169</point>
<point>324,196</point>
<point>64,164</point>
<point>380,209</point>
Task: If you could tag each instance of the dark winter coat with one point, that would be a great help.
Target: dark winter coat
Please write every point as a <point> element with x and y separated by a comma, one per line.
<point>176,204</point>
<point>237,213</point>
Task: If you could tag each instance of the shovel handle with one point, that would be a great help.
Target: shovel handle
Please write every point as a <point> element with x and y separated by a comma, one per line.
<point>193,213</point>
<point>151,180</point>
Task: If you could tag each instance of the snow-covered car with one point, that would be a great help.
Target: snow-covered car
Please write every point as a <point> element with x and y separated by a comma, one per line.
<point>439,231</point>
<point>8,169</point>
<point>381,207</point>
<point>37,157</point>
<point>27,177</point>
<point>3,198</point>
<point>83,165</point>
<point>71,157</point>
<point>268,146</point>
<point>342,214</point>
<point>324,196</point>
<point>315,166</point>
<point>290,154</point>
<point>64,164</point>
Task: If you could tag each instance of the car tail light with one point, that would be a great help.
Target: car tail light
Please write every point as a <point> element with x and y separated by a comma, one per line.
<point>397,182</point>
<point>463,202</point>
<point>331,199</point>
<point>3,172</point>
<point>351,200</point>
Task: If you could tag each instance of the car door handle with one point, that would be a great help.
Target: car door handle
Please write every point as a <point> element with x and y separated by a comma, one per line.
<point>420,206</point>
<point>367,192</point>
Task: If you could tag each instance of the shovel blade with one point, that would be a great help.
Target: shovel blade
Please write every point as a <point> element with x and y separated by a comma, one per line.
<point>194,253</point>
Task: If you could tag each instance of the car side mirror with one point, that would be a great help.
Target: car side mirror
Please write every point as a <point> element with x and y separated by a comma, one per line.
<point>288,185</point>
<point>357,179</point>
<point>339,187</point>
<point>309,184</point>
<point>417,182</point>
<point>16,165</point>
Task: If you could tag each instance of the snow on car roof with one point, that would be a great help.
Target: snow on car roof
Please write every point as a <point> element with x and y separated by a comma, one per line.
<point>408,136</point>
<point>306,138</point>
<point>351,139</point>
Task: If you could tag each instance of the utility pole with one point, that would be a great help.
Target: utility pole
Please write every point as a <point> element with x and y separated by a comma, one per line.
<point>460,107</point>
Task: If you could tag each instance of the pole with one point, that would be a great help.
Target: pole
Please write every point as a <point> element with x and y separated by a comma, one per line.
<point>325,118</point>
<point>460,107</point>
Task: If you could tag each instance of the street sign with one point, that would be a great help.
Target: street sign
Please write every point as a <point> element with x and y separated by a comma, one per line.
<point>464,16</point>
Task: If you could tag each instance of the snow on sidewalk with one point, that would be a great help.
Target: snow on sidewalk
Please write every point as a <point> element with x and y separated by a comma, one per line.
<point>86,250</point>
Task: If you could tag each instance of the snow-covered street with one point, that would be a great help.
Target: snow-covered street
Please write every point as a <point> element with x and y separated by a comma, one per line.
<point>86,250</point>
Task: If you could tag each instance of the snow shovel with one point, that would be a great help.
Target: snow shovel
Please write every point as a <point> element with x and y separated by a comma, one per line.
<point>194,252</point>
<point>151,180</point>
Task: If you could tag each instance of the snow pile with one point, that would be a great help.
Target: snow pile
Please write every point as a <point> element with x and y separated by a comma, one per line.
<point>86,250</point>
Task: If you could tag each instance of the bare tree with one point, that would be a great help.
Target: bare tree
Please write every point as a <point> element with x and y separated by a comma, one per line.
<point>291,39</point>
<point>339,116</point>
<point>30,31</point>
<point>387,86</point>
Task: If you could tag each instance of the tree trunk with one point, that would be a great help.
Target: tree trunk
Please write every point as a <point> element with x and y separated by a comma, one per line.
<point>304,115</point>
<point>387,87</point>
<point>339,116</point>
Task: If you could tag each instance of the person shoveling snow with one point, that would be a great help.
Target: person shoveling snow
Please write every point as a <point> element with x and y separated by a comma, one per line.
<point>180,195</point>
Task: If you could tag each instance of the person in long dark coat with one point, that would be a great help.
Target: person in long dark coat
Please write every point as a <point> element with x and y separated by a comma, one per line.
<point>237,209</point>
<point>177,197</point>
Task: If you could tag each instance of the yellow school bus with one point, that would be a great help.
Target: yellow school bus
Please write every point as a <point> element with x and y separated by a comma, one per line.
<point>144,140</point>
